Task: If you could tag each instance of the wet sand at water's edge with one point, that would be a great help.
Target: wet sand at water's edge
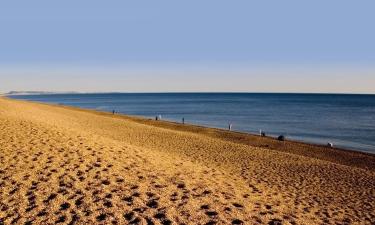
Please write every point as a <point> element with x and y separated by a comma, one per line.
<point>61,165</point>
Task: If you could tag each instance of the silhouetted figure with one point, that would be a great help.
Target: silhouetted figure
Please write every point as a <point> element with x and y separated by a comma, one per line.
<point>183,120</point>
<point>230,127</point>
<point>281,138</point>
<point>330,145</point>
<point>113,112</point>
<point>262,133</point>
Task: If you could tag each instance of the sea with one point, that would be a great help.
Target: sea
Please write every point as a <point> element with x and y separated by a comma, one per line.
<point>345,120</point>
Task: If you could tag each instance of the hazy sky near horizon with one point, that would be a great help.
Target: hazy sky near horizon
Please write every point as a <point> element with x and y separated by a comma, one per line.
<point>153,46</point>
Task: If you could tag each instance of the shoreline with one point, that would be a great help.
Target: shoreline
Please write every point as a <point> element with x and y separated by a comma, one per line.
<point>319,140</point>
<point>247,138</point>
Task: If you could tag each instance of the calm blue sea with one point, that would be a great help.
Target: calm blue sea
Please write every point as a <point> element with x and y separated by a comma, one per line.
<point>348,121</point>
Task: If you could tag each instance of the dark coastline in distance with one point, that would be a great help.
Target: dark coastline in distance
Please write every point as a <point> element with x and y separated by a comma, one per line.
<point>10,93</point>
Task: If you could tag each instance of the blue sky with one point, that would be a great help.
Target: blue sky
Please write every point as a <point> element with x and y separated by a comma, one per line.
<point>68,39</point>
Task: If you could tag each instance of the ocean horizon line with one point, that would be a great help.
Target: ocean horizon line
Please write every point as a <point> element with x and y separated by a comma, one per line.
<point>10,93</point>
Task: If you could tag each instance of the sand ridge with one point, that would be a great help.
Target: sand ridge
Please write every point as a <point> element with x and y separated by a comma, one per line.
<point>67,166</point>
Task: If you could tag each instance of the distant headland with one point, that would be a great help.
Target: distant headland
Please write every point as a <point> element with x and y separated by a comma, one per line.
<point>37,92</point>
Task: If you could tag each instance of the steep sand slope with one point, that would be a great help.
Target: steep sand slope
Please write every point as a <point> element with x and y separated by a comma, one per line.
<point>69,166</point>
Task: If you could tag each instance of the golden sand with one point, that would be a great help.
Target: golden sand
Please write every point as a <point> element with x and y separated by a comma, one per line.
<point>72,166</point>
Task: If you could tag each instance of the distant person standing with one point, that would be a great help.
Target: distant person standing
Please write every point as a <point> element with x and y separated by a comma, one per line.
<point>183,120</point>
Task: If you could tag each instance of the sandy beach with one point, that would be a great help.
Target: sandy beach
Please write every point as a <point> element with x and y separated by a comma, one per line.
<point>62,165</point>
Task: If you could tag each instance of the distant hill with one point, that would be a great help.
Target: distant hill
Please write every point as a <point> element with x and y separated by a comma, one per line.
<point>35,93</point>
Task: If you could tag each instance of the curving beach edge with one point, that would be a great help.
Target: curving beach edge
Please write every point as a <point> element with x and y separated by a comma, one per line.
<point>60,164</point>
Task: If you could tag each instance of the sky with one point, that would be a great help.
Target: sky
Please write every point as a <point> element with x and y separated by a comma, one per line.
<point>182,46</point>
